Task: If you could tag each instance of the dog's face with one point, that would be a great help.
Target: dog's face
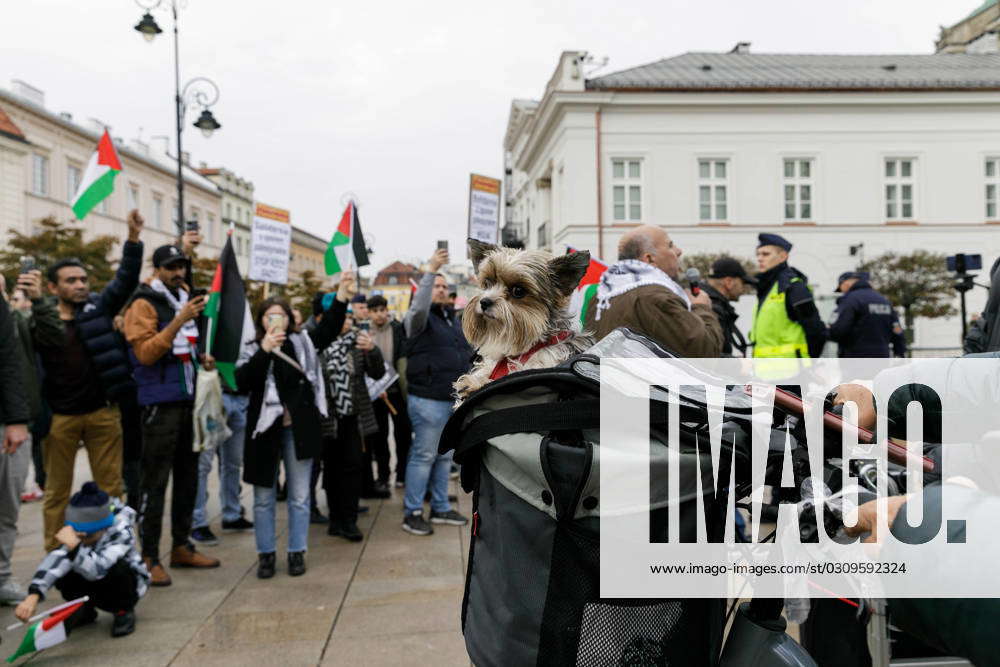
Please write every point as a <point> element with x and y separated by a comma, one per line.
<point>524,292</point>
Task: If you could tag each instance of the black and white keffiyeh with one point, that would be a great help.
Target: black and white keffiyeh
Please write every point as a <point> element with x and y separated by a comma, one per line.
<point>339,362</point>
<point>272,408</point>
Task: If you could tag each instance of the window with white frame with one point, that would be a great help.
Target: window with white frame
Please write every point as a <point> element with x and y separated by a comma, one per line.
<point>899,188</point>
<point>797,182</point>
<point>157,212</point>
<point>992,187</point>
<point>73,176</point>
<point>39,174</point>
<point>713,189</point>
<point>210,225</point>
<point>626,190</point>
<point>133,196</point>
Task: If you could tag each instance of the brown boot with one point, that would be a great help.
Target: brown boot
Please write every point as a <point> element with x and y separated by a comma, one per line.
<point>186,556</point>
<point>158,576</point>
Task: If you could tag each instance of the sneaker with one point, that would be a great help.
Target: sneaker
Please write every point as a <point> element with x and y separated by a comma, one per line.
<point>315,516</point>
<point>237,525</point>
<point>451,518</point>
<point>265,565</point>
<point>11,593</point>
<point>186,556</point>
<point>400,484</point>
<point>296,563</point>
<point>415,524</point>
<point>123,624</point>
<point>204,536</point>
<point>32,496</point>
<point>377,491</point>
<point>362,509</point>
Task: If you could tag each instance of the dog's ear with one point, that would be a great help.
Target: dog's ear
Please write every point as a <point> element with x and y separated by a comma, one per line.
<point>568,269</point>
<point>479,250</point>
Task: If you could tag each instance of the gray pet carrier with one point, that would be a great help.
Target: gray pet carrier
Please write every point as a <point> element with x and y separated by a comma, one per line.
<point>529,445</point>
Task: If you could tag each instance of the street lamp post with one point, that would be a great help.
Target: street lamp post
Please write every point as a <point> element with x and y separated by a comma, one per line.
<point>198,93</point>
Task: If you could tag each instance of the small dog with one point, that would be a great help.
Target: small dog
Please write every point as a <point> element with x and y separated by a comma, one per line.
<point>519,321</point>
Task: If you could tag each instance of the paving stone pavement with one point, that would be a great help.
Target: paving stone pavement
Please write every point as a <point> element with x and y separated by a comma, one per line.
<point>393,599</point>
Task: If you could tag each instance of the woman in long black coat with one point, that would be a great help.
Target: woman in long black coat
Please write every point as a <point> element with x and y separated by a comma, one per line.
<point>287,401</point>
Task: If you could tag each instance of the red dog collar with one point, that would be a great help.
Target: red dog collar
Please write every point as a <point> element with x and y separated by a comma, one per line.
<point>505,365</point>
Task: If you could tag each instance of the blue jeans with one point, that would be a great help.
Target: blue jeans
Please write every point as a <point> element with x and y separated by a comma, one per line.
<point>230,455</point>
<point>297,475</point>
<point>425,465</point>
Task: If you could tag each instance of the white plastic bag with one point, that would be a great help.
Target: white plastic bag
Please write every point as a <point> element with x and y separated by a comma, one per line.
<point>210,428</point>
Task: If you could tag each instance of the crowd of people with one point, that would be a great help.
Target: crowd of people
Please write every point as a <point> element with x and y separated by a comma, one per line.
<point>115,372</point>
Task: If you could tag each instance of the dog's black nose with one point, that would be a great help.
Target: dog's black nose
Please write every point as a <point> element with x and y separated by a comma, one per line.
<point>485,303</point>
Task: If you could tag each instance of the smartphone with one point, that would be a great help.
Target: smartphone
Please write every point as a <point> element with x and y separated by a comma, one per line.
<point>443,245</point>
<point>195,293</point>
<point>27,263</point>
<point>275,320</point>
<point>191,226</point>
<point>364,326</point>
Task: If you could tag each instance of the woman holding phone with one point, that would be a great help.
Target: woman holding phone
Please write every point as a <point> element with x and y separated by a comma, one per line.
<point>287,402</point>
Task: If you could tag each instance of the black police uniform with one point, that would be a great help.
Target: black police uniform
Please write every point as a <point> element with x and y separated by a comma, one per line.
<point>866,324</point>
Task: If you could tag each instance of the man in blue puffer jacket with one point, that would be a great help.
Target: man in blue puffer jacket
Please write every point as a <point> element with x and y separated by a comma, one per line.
<point>85,376</point>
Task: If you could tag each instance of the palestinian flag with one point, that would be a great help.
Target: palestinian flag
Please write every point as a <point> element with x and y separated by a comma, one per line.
<point>99,179</point>
<point>587,288</point>
<point>46,633</point>
<point>228,324</point>
<point>347,247</point>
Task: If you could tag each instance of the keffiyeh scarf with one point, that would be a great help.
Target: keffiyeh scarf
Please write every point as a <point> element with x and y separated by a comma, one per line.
<point>186,339</point>
<point>339,361</point>
<point>627,274</point>
<point>272,408</point>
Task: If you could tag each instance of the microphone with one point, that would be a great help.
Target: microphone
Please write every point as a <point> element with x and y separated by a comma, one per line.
<point>693,276</point>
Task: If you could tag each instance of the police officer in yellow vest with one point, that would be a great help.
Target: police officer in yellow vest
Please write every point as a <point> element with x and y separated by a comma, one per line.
<point>786,322</point>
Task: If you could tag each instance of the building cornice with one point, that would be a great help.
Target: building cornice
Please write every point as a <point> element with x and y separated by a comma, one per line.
<point>554,106</point>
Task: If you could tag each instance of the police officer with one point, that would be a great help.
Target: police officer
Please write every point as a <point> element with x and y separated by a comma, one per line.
<point>786,322</point>
<point>865,323</point>
<point>726,283</point>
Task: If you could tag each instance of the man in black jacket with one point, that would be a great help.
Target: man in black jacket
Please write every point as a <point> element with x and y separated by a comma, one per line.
<point>726,283</point>
<point>390,338</point>
<point>865,323</point>
<point>437,354</point>
<point>85,376</point>
<point>14,416</point>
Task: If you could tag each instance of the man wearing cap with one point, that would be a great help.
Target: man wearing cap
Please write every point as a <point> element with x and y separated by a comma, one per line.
<point>727,282</point>
<point>786,322</point>
<point>160,326</point>
<point>865,323</point>
<point>84,375</point>
<point>359,308</point>
<point>97,558</point>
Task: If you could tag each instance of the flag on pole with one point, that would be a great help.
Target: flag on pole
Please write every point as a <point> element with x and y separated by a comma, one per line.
<point>99,178</point>
<point>347,247</point>
<point>46,633</point>
<point>227,314</point>
<point>587,288</point>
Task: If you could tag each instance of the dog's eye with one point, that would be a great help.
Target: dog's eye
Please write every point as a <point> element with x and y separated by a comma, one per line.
<point>518,292</point>
<point>486,284</point>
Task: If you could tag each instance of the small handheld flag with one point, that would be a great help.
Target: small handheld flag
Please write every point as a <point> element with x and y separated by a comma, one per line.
<point>346,250</point>
<point>99,178</point>
<point>48,632</point>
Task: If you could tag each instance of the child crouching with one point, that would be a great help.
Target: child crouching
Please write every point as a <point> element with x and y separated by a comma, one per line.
<point>97,558</point>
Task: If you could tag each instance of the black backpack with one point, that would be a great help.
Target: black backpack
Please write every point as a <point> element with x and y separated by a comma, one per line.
<point>528,444</point>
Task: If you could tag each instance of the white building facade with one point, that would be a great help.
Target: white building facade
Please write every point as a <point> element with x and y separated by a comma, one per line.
<point>892,152</point>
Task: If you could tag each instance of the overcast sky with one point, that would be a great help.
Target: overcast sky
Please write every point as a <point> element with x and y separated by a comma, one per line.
<point>394,101</point>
